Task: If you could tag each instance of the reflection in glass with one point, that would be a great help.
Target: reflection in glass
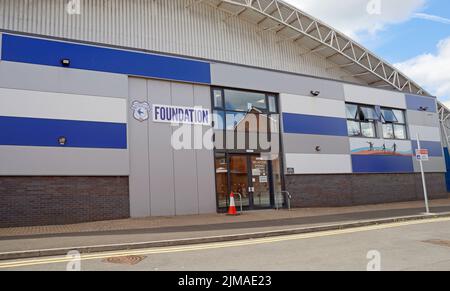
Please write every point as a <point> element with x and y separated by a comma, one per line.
<point>400,116</point>
<point>388,131</point>
<point>218,99</point>
<point>239,177</point>
<point>400,131</point>
<point>352,111</point>
<point>368,129</point>
<point>244,101</point>
<point>389,116</point>
<point>222,180</point>
<point>273,104</point>
<point>368,113</point>
<point>353,128</point>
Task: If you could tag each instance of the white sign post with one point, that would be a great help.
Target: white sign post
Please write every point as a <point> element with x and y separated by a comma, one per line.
<point>422,155</point>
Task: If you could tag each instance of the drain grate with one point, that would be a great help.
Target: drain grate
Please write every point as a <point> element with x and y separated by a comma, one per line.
<point>128,260</point>
<point>439,242</point>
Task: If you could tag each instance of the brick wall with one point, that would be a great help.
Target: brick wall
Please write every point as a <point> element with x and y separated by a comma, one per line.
<point>360,189</point>
<point>33,201</point>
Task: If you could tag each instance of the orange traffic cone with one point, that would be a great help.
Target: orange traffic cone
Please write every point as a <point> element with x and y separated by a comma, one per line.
<point>232,209</point>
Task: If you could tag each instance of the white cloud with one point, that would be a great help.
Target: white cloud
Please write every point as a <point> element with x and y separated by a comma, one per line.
<point>434,18</point>
<point>353,16</point>
<point>431,70</point>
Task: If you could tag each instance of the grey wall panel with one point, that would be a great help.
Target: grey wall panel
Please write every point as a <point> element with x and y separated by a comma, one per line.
<point>306,144</point>
<point>161,154</point>
<point>423,118</point>
<point>62,80</point>
<point>263,80</point>
<point>185,164</point>
<point>435,164</point>
<point>139,156</point>
<point>166,181</point>
<point>205,160</point>
<point>39,161</point>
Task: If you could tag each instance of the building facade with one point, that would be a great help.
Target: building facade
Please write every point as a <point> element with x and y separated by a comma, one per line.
<point>96,105</point>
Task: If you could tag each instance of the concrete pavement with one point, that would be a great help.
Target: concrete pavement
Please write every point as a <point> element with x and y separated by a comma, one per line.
<point>138,233</point>
<point>413,245</point>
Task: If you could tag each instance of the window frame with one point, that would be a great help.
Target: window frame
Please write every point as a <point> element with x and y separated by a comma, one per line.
<point>357,119</point>
<point>394,124</point>
<point>225,111</point>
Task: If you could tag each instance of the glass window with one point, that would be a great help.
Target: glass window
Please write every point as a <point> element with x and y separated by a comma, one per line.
<point>388,131</point>
<point>368,129</point>
<point>354,128</point>
<point>368,113</point>
<point>400,131</point>
<point>361,120</point>
<point>233,119</point>
<point>272,104</point>
<point>389,116</point>
<point>394,124</point>
<point>352,111</point>
<point>244,101</point>
<point>218,98</point>
<point>222,180</point>
<point>219,119</point>
<point>400,116</point>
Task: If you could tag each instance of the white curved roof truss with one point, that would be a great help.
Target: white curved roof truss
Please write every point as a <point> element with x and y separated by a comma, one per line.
<point>291,24</point>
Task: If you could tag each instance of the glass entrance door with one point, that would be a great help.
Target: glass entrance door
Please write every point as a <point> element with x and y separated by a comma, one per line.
<point>239,179</point>
<point>260,183</point>
<point>249,175</point>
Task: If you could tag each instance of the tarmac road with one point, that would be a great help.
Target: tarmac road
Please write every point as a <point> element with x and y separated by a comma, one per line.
<point>413,245</point>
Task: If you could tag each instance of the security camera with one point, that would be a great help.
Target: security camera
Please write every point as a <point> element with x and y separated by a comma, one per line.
<point>315,93</point>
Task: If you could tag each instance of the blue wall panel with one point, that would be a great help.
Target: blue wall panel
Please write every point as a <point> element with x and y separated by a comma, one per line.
<point>382,164</point>
<point>309,124</point>
<point>50,53</point>
<point>20,131</point>
<point>414,102</point>
<point>447,163</point>
<point>435,148</point>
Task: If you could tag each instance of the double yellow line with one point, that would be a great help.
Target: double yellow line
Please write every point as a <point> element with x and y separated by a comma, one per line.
<point>209,246</point>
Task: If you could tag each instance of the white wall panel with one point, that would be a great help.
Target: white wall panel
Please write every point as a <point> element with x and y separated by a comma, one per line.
<point>36,104</point>
<point>426,133</point>
<point>319,164</point>
<point>370,96</point>
<point>312,106</point>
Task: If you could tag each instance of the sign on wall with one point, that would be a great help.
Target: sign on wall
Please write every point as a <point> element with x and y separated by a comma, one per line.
<point>181,114</point>
<point>171,114</point>
<point>422,155</point>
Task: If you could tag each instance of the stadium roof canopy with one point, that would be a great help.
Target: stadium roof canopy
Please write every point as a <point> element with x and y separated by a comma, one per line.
<point>292,24</point>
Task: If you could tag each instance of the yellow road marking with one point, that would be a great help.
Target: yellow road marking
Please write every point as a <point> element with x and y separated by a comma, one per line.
<point>209,246</point>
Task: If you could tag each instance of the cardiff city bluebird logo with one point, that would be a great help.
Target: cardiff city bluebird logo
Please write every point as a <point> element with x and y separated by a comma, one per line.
<point>141,110</point>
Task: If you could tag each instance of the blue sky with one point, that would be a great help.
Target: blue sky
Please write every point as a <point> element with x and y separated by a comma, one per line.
<point>414,35</point>
<point>403,41</point>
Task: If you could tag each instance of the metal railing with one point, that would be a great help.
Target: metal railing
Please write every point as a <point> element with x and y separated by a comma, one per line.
<point>286,197</point>
<point>240,202</point>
